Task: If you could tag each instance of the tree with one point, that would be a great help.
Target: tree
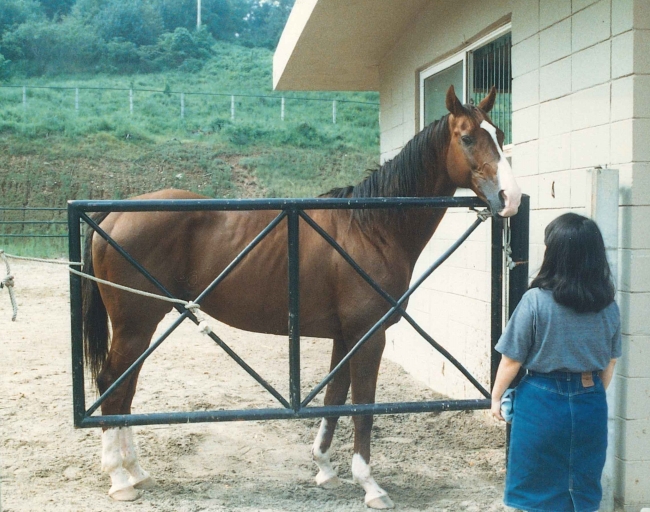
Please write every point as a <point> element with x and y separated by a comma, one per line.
<point>57,8</point>
<point>128,20</point>
<point>15,12</point>
<point>264,22</point>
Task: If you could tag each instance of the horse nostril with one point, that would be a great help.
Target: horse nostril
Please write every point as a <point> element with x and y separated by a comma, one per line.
<point>502,199</point>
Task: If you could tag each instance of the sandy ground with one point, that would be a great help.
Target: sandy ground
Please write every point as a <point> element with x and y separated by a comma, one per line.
<point>427,462</point>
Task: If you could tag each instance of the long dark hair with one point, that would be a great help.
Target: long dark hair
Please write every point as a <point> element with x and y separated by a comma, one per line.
<point>575,264</point>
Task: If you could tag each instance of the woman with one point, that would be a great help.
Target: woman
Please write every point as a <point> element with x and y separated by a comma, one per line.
<point>566,334</point>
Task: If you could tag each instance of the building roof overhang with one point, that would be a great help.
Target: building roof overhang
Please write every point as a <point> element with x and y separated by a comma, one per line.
<point>339,44</point>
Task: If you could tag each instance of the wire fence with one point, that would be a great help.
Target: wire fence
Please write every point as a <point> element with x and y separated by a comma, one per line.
<point>33,222</point>
<point>140,100</point>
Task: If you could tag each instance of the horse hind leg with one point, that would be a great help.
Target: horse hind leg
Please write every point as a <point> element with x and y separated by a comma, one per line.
<point>364,370</point>
<point>119,459</point>
<point>336,394</point>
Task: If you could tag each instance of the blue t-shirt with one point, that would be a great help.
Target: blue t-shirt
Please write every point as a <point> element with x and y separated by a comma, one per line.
<point>545,336</point>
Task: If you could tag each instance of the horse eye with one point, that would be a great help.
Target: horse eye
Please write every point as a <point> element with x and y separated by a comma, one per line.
<point>467,140</point>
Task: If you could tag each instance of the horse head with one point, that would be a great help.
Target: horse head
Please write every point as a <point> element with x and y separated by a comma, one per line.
<point>475,159</point>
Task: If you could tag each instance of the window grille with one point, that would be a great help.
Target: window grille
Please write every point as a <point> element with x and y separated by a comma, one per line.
<point>490,65</point>
<point>473,72</point>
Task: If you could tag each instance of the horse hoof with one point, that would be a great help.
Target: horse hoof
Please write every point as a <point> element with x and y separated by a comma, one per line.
<point>145,483</point>
<point>331,482</point>
<point>126,494</point>
<point>380,502</point>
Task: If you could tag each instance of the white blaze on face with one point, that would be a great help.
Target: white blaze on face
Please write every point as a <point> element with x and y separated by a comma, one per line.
<point>505,177</point>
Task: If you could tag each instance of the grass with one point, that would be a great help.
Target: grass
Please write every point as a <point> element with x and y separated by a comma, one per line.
<point>50,152</point>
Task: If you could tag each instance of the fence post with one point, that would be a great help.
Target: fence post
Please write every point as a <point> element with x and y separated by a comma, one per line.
<point>182,105</point>
<point>76,100</point>
<point>518,272</point>
<point>131,101</point>
<point>25,97</point>
<point>232,107</point>
<point>334,112</point>
<point>282,110</point>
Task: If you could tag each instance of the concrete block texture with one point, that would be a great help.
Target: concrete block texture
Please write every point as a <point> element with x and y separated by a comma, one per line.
<point>633,230</point>
<point>552,11</point>
<point>555,153</point>
<point>591,25</point>
<point>634,318</point>
<point>590,147</point>
<point>555,190</point>
<point>555,42</point>
<point>632,491</point>
<point>555,80</point>
<point>632,439</point>
<point>525,159</point>
<point>634,403</point>
<point>525,19</point>
<point>555,117</point>
<point>591,66</point>
<point>525,124</point>
<point>525,90</point>
<point>591,107</point>
<point>525,56</point>
<point>635,360</point>
<point>629,14</point>
<point>634,188</point>
<point>623,102</point>
<point>578,5</point>
<point>623,54</point>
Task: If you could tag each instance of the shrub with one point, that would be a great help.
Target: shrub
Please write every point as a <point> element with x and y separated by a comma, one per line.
<point>4,68</point>
<point>53,47</point>
<point>16,12</point>
<point>128,20</point>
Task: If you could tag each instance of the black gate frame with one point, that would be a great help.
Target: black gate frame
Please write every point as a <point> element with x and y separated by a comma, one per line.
<point>294,210</point>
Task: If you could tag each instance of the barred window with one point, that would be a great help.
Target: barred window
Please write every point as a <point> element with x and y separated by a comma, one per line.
<point>472,72</point>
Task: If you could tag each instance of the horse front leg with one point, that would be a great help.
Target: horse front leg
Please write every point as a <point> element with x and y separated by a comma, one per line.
<point>336,394</point>
<point>364,370</point>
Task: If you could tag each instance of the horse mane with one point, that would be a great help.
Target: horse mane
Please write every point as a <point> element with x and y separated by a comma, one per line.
<point>406,175</point>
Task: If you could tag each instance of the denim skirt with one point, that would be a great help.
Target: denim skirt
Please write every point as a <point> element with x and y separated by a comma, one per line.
<point>557,444</point>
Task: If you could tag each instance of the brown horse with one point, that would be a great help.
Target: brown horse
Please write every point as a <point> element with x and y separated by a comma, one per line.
<point>463,149</point>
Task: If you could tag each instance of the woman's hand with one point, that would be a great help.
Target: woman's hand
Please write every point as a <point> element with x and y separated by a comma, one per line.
<point>507,371</point>
<point>496,409</point>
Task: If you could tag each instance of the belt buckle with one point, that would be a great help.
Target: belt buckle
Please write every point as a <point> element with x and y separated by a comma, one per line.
<point>587,379</point>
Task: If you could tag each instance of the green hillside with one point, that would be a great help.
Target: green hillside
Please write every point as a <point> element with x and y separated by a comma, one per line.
<point>51,152</point>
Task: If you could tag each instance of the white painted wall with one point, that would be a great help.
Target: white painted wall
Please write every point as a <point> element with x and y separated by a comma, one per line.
<point>581,99</point>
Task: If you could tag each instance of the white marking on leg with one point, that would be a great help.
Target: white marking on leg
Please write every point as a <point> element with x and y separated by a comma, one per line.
<point>112,463</point>
<point>138,477</point>
<point>326,476</point>
<point>376,497</point>
<point>505,176</point>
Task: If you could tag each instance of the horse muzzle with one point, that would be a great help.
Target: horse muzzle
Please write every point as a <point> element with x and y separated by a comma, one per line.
<point>510,201</point>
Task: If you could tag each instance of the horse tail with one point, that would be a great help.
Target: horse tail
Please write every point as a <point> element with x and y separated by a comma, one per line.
<point>95,318</point>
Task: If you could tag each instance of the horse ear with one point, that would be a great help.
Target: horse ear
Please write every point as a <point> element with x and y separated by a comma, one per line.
<point>488,102</point>
<point>453,103</point>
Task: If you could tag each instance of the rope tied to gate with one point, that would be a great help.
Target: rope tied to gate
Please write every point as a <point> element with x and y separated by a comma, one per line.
<point>483,215</point>
<point>8,282</point>
<point>203,326</point>
<point>193,307</point>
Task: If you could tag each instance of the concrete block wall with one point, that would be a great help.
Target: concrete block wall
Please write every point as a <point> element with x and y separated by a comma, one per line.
<point>581,83</point>
<point>581,99</point>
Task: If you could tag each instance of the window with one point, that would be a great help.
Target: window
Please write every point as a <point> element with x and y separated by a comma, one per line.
<point>472,72</point>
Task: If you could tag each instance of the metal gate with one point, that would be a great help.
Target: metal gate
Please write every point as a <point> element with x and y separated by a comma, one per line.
<point>511,234</point>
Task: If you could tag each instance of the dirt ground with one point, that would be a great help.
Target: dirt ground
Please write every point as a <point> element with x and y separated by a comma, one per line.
<point>427,462</point>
